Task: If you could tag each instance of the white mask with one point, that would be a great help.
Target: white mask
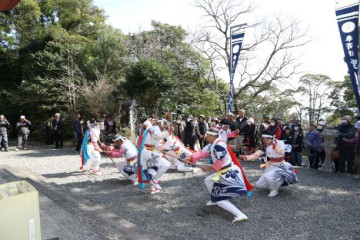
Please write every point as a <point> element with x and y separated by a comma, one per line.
<point>296,128</point>
<point>81,122</point>
<point>272,124</point>
<point>178,121</point>
<point>320,127</point>
<point>248,123</point>
<point>344,121</point>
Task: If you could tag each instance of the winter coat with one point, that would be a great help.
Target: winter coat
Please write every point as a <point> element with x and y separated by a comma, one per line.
<point>298,142</point>
<point>250,135</point>
<point>356,141</point>
<point>189,130</point>
<point>345,131</point>
<point>58,126</point>
<point>241,125</point>
<point>275,131</point>
<point>201,128</point>
<point>3,127</point>
<point>316,139</point>
<point>23,127</point>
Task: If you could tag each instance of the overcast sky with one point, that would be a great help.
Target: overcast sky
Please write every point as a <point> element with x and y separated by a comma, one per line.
<point>323,55</point>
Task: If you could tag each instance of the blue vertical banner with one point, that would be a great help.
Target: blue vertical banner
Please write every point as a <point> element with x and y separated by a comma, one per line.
<point>237,34</point>
<point>348,23</point>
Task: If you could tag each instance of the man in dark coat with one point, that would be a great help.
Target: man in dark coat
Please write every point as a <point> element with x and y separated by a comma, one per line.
<point>241,123</point>
<point>4,124</point>
<point>58,126</point>
<point>347,154</point>
<point>23,131</point>
<point>190,133</point>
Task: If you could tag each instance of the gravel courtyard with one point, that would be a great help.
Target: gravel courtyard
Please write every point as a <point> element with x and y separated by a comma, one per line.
<point>322,206</point>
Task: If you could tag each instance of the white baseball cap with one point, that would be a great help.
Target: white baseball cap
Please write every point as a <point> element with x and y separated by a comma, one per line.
<point>322,123</point>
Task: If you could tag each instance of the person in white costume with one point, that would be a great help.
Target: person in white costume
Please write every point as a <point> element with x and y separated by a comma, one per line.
<point>228,181</point>
<point>152,159</point>
<point>175,149</point>
<point>94,149</point>
<point>278,172</point>
<point>127,151</point>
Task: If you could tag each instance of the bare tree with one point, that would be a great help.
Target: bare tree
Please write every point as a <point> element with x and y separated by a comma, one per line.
<point>266,60</point>
<point>71,79</point>
<point>76,85</point>
<point>97,94</point>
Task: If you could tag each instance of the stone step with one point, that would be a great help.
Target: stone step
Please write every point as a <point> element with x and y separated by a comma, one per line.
<point>64,215</point>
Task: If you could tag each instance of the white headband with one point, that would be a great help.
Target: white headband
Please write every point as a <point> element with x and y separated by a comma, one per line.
<point>267,136</point>
<point>119,137</point>
<point>212,133</point>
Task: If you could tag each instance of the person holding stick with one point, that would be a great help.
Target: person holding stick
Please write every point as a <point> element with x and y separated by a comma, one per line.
<point>176,152</point>
<point>229,180</point>
<point>151,159</point>
<point>126,149</point>
<point>278,172</point>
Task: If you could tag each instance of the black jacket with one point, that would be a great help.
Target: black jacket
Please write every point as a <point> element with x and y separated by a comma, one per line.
<point>299,142</point>
<point>189,129</point>
<point>346,131</point>
<point>58,126</point>
<point>241,125</point>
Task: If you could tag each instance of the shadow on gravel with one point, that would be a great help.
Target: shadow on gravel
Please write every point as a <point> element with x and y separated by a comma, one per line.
<point>46,153</point>
<point>107,165</point>
<point>62,175</point>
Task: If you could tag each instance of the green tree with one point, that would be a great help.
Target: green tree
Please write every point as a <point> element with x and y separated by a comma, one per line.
<point>316,88</point>
<point>41,52</point>
<point>167,45</point>
<point>106,56</point>
<point>272,103</point>
<point>343,101</point>
<point>148,81</point>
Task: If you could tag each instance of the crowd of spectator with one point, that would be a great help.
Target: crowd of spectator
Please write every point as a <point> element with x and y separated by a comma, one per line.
<point>54,130</point>
<point>301,149</point>
<point>22,129</point>
<point>245,140</point>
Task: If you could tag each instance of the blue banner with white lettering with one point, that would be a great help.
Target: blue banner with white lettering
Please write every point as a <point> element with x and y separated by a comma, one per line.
<point>237,34</point>
<point>348,19</point>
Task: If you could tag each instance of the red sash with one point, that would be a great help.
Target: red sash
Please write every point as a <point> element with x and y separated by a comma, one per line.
<point>249,187</point>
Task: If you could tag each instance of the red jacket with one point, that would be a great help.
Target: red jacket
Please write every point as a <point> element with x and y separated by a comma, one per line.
<point>276,130</point>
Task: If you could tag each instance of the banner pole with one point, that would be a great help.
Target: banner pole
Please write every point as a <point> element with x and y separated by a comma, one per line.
<point>348,23</point>
<point>237,34</point>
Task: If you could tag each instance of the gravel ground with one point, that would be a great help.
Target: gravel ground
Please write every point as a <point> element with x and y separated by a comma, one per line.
<point>322,206</point>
